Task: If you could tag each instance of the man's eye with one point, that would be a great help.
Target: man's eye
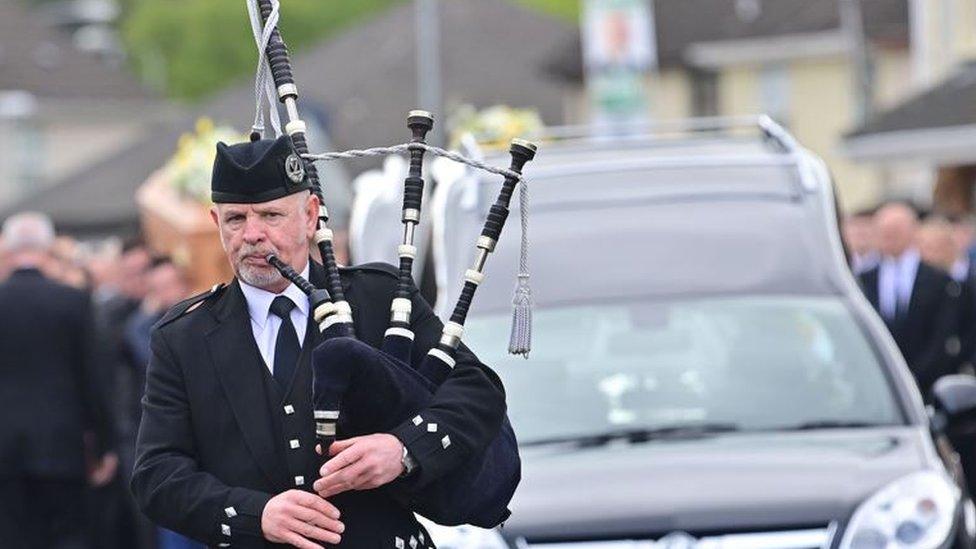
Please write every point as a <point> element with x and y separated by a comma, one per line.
<point>235,218</point>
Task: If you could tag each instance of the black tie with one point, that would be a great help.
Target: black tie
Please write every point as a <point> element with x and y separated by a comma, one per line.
<point>287,346</point>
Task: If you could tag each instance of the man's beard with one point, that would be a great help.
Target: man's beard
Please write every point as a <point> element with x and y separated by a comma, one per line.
<point>259,276</point>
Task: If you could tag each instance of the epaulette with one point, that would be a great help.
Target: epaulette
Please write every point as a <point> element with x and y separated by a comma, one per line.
<point>375,267</point>
<point>189,304</point>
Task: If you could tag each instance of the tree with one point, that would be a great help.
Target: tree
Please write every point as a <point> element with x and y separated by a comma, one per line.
<point>190,48</point>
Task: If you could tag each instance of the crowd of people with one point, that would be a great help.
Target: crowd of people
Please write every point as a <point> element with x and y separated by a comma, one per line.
<point>919,272</point>
<point>81,318</point>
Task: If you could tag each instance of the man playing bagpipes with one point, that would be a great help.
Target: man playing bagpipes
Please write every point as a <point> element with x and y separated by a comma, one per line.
<point>225,451</point>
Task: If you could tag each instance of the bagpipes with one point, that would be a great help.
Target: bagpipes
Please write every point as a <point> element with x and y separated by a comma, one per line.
<point>358,389</point>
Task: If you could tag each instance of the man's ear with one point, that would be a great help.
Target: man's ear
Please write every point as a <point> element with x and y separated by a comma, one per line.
<point>312,210</point>
<point>214,216</point>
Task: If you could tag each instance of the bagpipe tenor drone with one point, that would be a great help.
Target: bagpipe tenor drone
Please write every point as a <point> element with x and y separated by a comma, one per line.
<point>358,389</point>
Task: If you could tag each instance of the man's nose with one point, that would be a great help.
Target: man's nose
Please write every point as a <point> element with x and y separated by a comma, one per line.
<point>253,230</point>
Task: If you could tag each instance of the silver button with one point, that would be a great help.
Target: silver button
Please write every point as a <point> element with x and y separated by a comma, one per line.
<point>293,443</point>
<point>225,529</point>
<point>431,427</point>
<point>413,542</point>
<point>417,420</point>
<point>420,536</point>
<point>398,542</point>
<point>446,441</point>
<point>299,480</point>
<point>289,409</point>
<point>230,512</point>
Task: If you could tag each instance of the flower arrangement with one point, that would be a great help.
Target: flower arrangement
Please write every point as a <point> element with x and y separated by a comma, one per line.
<point>188,170</point>
<point>493,127</point>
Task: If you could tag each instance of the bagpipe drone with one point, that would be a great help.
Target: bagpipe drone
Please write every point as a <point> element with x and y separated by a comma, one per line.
<point>358,389</point>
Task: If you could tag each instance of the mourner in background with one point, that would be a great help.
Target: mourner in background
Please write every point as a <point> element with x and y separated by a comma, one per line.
<point>166,285</point>
<point>860,239</point>
<point>915,299</point>
<point>225,451</point>
<point>56,436</point>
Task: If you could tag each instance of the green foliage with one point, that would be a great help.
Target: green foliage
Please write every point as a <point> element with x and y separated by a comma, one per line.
<point>566,9</point>
<point>190,48</point>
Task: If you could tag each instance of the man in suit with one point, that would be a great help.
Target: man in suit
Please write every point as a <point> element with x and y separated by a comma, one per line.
<point>56,435</point>
<point>225,451</point>
<point>915,299</point>
<point>940,247</point>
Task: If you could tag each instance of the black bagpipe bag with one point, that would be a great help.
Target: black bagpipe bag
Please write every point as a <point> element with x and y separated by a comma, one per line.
<point>379,392</point>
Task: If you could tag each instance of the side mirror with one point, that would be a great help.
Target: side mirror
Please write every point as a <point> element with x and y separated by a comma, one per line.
<point>955,394</point>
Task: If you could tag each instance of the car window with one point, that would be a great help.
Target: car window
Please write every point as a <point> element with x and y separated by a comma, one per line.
<point>755,362</point>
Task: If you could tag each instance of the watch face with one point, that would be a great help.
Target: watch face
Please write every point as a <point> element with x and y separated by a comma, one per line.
<point>407,461</point>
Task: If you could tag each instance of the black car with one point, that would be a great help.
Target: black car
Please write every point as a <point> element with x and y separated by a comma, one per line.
<point>705,372</point>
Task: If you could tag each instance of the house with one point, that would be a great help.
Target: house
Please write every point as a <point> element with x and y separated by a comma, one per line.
<point>359,85</point>
<point>791,59</point>
<point>926,144</point>
<point>61,109</point>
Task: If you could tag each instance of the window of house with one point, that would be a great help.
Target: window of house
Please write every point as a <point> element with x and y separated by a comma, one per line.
<point>704,93</point>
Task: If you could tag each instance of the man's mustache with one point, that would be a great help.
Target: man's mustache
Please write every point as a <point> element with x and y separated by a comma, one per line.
<point>255,251</point>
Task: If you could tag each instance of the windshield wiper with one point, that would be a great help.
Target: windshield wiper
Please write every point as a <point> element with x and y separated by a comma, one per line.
<point>637,435</point>
<point>828,424</point>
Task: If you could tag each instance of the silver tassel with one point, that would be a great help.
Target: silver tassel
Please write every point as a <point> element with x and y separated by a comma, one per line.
<point>520,342</point>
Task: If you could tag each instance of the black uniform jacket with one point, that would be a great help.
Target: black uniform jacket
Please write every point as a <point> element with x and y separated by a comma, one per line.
<point>219,438</point>
<point>50,391</point>
<point>927,334</point>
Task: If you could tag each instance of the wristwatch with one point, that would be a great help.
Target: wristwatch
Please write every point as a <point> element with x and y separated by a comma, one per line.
<point>409,464</point>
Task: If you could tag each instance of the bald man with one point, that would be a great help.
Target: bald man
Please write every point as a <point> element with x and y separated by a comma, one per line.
<point>916,300</point>
<point>56,438</point>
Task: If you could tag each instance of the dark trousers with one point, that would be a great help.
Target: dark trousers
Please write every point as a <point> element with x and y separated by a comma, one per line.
<point>42,513</point>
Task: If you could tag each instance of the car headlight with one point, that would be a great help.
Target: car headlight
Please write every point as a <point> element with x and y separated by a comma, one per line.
<point>913,512</point>
<point>463,537</point>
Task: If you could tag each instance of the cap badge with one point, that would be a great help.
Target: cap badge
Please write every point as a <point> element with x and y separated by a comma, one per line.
<point>294,168</point>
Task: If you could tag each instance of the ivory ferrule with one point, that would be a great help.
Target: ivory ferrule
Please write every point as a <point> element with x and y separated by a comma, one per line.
<point>407,250</point>
<point>451,336</point>
<point>322,235</point>
<point>486,243</point>
<point>295,126</point>
<point>286,90</point>
<point>323,311</point>
<point>442,356</point>
<point>401,332</point>
<point>476,277</point>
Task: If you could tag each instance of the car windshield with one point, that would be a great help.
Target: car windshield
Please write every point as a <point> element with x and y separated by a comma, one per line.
<point>754,363</point>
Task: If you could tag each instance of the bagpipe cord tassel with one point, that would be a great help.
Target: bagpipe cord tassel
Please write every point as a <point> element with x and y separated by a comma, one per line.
<point>520,342</point>
<point>264,90</point>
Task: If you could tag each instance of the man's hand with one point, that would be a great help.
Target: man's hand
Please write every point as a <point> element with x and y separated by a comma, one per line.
<point>295,517</point>
<point>360,463</point>
<point>103,470</point>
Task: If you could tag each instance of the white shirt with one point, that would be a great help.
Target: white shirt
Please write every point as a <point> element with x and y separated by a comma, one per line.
<point>265,324</point>
<point>896,277</point>
<point>960,269</point>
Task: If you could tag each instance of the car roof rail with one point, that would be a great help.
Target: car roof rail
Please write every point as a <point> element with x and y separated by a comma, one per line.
<point>572,139</point>
<point>584,135</point>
